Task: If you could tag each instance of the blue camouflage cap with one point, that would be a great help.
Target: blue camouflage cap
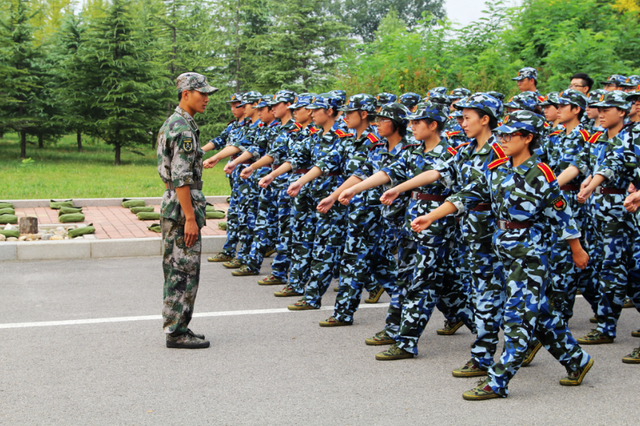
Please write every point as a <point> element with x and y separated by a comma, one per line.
<point>483,102</point>
<point>524,100</point>
<point>521,120</point>
<point>428,110</point>
<point>527,72</point>
<point>615,98</point>
<point>194,81</point>
<point>385,98</point>
<point>302,100</point>
<point>634,80</point>
<point>409,99</point>
<point>551,98</point>
<point>617,79</point>
<point>264,102</point>
<point>594,96</point>
<point>360,102</point>
<point>341,94</point>
<point>633,95</point>
<point>459,93</point>
<point>250,98</point>
<point>286,96</point>
<point>396,112</point>
<point>235,97</point>
<point>440,90</point>
<point>437,98</point>
<point>497,95</point>
<point>573,97</point>
<point>324,101</point>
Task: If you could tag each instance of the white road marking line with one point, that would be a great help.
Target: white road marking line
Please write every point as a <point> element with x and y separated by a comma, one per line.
<point>159,317</point>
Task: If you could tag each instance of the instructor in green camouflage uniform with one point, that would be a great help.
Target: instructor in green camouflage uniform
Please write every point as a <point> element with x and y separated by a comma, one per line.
<point>183,210</point>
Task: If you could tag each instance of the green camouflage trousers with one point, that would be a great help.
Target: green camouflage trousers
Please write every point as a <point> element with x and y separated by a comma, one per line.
<point>181,267</point>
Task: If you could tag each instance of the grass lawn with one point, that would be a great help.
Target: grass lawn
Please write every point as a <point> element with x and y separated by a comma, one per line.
<point>60,171</point>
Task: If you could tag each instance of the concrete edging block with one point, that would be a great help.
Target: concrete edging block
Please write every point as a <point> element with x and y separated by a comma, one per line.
<point>101,202</point>
<point>8,251</point>
<point>213,243</point>
<point>127,247</point>
<point>46,250</point>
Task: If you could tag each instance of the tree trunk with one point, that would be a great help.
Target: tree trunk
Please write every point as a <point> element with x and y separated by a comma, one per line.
<point>79,139</point>
<point>238,47</point>
<point>152,136</point>
<point>40,141</point>
<point>117,149</point>
<point>23,144</point>
<point>28,225</point>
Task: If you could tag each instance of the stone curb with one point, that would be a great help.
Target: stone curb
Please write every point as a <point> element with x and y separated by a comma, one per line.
<point>100,202</point>
<point>95,249</point>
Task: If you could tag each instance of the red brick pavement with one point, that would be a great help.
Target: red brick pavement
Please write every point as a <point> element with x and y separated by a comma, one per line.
<point>114,222</point>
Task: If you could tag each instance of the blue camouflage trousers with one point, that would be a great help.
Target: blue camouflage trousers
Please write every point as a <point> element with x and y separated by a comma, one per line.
<point>247,210</point>
<point>366,261</point>
<point>327,248</point>
<point>432,286</point>
<point>303,228</point>
<point>610,258</point>
<point>265,230</point>
<point>407,253</point>
<point>282,261</point>
<point>231,244</point>
<point>633,280</point>
<point>528,314</point>
<point>487,297</point>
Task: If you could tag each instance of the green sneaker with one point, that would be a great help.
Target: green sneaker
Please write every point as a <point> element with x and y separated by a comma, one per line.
<point>633,357</point>
<point>449,328</point>
<point>375,295</point>
<point>594,337</point>
<point>186,341</point>
<point>244,271</point>
<point>393,353</point>
<point>635,333</point>
<point>532,350</point>
<point>593,320</point>
<point>627,303</point>
<point>381,338</point>
<point>336,289</point>
<point>269,252</point>
<point>575,377</point>
<point>232,264</point>
<point>301,305</point>
<point>270,280</point>
<point>480,392</point>
<point>470,369</point>
<point>220,257</point>
<point>332,322</point>
<point>287,292</point>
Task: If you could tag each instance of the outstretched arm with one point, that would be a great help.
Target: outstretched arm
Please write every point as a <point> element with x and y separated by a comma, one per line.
<point>325,205</point>
<point>296,186</point>
<point>423,222</point>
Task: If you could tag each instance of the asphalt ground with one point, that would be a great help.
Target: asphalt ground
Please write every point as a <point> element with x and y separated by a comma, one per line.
<point>266,365</point>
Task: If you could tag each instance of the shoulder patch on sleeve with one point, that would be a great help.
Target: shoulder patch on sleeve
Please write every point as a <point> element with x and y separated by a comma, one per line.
<point>314,130</point>
<point>555,133</point>
<point>187,144</point>
<point>546,125</point>
<point>594,137</point>
<point>449,134</point>
<point>452,151</point>
<point>462,144</point>
<point>547,172</point>
<point>342,134</point>
<point>298,126</point>
<point>559,203</point>
<point>373,138</point>
<point>497,148</point>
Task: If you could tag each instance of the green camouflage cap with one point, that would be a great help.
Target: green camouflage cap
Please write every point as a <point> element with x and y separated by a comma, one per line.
<point>615,98</point>
<point>285,95</point>
<point>264,102</point>
<point>497,95</point>
<point>527,72</point>
<point>573,97</point>
<point>194,81</point>
<point>324,101</point>
<point>437,98</point>
<point>550,99</point>
<point>385,98</point>
<point>409,99</point>
<point>594,96</point>
<point>521,120</point>
<point>302,100</point>
<point>250,98</point>
<point>428,110</point>
<point>617,79</point>
<point>340,94</point>
<point>440,90</point>
<point>459,93</point>
<point>632,96</point>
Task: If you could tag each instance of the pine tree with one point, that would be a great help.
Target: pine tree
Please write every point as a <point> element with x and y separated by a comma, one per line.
<point>128,83</point>
<point>18,59</point>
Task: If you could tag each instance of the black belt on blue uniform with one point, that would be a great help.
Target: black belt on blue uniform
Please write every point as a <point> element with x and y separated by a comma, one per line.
<point>503,224</point>
<point>427,197</point>
<point>195,185</point>
<point>601,190</point>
